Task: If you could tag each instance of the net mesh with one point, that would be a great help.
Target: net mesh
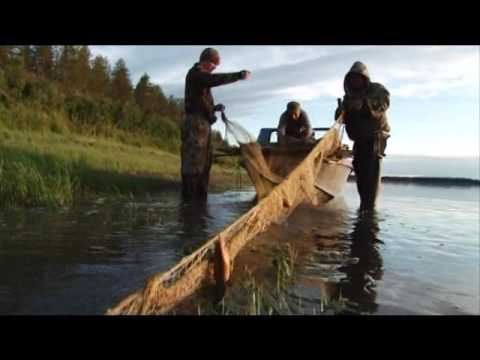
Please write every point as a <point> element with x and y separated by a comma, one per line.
<point>278,197</point>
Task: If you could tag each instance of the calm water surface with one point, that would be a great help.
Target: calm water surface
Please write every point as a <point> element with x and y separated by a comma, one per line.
<point>418,254</point>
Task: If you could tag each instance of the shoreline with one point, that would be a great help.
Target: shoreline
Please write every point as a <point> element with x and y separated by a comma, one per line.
<point>54,170</point>
<point>426,180</point>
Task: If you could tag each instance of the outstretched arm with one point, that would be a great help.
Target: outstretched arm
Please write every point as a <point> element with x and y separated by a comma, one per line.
<point>212,80</point>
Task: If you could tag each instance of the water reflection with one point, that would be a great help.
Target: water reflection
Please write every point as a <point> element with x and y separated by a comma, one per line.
<point>346,261</point>
<point>193,217</point>
<point>55,262</point>
<point>359,286</point>
<point>84,259</point>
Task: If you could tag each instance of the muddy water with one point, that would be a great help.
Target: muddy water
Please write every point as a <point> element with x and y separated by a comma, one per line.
<point>418,254</point>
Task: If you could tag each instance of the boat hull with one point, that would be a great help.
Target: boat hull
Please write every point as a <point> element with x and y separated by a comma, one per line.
<point>332,177</point>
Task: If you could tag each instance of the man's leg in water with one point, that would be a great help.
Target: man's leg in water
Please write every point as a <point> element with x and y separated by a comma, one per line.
<point>204,179</point>
<point>366,165</point>
<point>195,156</point>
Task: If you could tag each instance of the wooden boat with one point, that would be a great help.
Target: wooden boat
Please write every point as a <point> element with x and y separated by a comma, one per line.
<point>283,159</point>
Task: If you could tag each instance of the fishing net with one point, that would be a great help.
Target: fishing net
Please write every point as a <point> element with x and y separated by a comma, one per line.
<point>260,172</point>
<point>278,198</point>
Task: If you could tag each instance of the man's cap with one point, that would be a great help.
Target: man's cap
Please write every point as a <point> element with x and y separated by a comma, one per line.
<point>293,106</point>
<point>210,55</point>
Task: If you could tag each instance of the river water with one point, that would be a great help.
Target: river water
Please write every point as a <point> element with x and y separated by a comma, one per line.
<point>418,254</point>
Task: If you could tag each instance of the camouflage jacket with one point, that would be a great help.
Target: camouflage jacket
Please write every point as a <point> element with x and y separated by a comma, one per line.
<point>198,97</point>
<point>365,111</point>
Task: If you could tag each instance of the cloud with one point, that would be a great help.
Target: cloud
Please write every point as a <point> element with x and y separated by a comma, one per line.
<point>309,73</point>
<point>446,76</point>
<point>447,73</point>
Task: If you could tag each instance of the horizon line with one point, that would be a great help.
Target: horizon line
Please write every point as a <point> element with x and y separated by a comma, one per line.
<point>476,156</point>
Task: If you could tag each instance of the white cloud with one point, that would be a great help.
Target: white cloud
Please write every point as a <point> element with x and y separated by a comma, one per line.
<point>332,88</point>
<point>314,74</point>
<point>446,73</point>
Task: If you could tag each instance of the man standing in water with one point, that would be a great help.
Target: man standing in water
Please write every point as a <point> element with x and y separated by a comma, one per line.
<point>364,108</point>
<point>196,149</point>
<point>294,125</point>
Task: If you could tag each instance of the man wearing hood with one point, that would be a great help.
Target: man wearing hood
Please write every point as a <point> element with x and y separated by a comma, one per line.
<point>364,108</point>
<point>196,149</point>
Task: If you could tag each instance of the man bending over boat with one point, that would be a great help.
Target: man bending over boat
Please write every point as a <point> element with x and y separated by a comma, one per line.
<point>200,111</point>
<point>294,126</point>
<point>364,107</point>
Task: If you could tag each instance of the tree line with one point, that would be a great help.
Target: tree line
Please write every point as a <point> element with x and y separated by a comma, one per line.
<point>65,87</point>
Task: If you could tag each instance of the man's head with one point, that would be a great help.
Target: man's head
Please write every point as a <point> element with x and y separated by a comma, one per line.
<point>357,81</point>
<point>357,78</point>
<point>294,110</point>
<point>209,59</point>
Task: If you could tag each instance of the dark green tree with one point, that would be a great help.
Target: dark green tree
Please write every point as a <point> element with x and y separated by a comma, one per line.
<point>44,61</point>
<point>159,101</point>
<point>65,66</point>
<point>28,54</point>
<point>143,93</point>
<point>99,80</point>
<point>4,55</point>
<point>81,68</point>
<point>121,85</point>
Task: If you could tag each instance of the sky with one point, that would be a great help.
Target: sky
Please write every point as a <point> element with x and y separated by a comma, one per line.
<point>434,90</point>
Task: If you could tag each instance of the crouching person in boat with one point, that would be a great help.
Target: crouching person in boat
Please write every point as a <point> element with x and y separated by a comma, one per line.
<point>196,151</point>
<point>294,126</point>
<point>364,108</point>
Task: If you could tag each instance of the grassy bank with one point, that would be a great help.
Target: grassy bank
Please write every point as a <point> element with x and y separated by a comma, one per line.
<point>71,125</point>
<point>44,168</point>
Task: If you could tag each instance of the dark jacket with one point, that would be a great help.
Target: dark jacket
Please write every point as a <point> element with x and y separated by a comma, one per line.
<point>299,128</point>
<point>365,109</point>
<point>198,97</point>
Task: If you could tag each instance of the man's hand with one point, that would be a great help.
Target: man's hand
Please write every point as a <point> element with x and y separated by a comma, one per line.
<point>339,109</point>
<point>224,117</point>
<point>213,120</point>
<point>219,107</point>
<point>245,74</point>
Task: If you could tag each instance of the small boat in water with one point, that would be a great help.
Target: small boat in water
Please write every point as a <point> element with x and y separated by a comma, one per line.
<point>282,159</point>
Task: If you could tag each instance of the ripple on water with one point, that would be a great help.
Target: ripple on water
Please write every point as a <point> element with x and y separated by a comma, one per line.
<point>416,255</point>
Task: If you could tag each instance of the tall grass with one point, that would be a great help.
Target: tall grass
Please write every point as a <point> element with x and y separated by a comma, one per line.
<point>33,178</point>
<point>275,296</point>
<point>52,169</point>
<point>29,179</point>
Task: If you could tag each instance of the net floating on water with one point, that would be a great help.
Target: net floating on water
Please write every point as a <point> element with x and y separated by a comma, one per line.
<point>278,198</point>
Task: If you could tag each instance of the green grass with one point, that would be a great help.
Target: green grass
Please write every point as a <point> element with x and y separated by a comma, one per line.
<point>45,168</point>
<point>275,296</point>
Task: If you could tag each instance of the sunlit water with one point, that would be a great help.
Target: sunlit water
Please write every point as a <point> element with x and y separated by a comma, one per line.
<point>419,254</point>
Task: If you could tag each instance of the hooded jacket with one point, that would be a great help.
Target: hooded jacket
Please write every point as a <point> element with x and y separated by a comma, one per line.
<point>365,109</point>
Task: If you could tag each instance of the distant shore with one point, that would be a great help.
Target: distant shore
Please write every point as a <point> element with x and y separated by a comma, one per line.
<point>426,180</point>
